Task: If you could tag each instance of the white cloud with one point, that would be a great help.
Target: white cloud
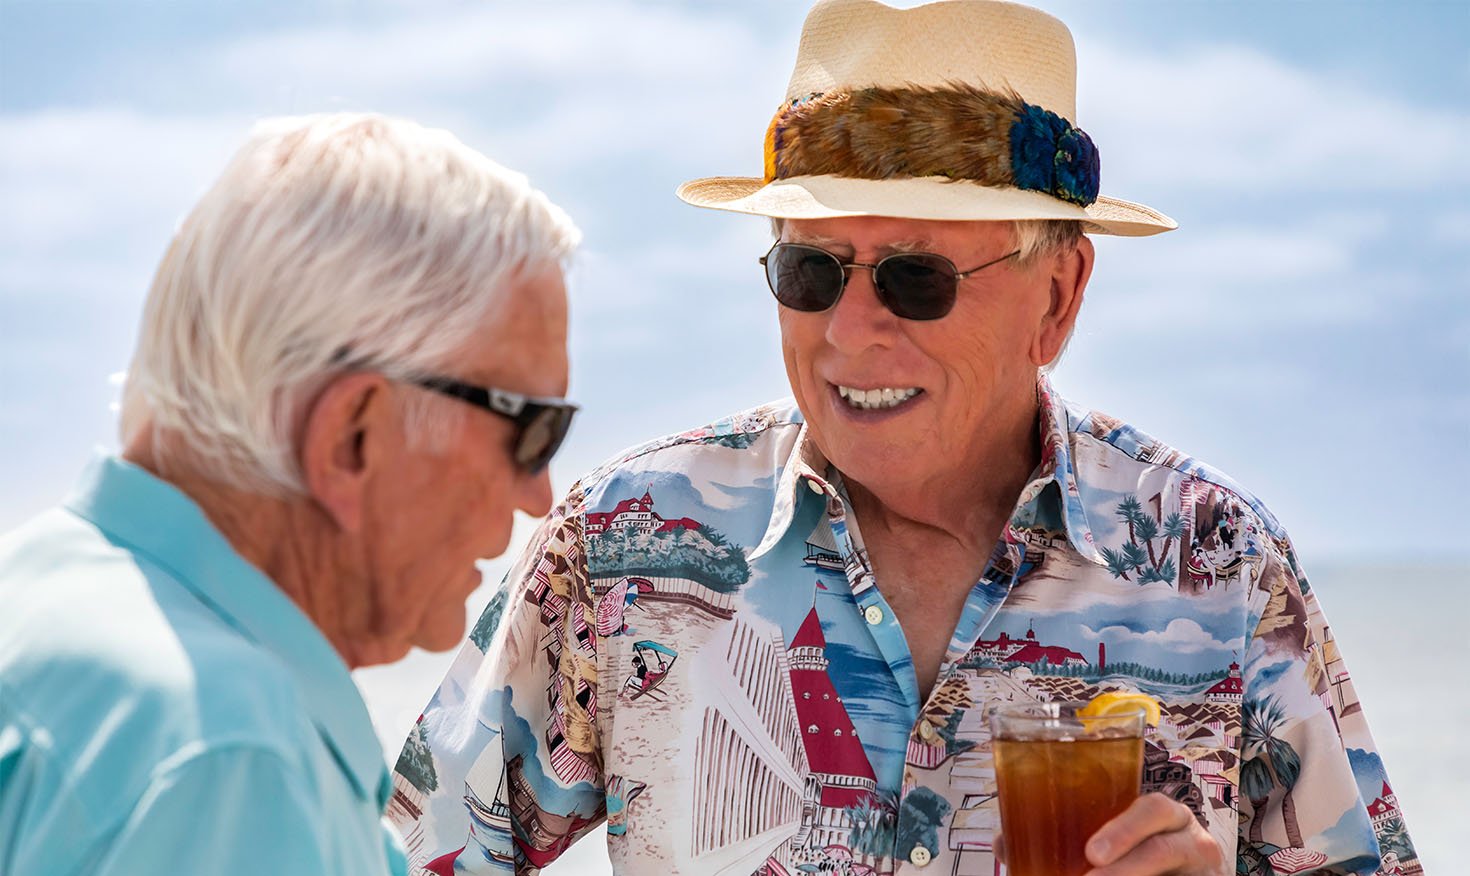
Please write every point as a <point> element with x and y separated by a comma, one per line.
<point>664,265</point>
<point>1308,270</point>
<point>1223,117</point>
<point>1182,635</point>
<point>595,81</point>
<point>83,185</point>
<point>608,105</point>
<point>1256,253</point>
<point>585,45</point>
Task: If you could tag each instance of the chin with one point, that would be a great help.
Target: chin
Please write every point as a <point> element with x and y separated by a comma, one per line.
<point>868,460</point>
<point>880,481</point>
<point>378,653</point>
<point>441,638</point>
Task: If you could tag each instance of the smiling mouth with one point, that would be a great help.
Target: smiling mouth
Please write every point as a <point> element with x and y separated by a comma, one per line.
<point>876,399</point>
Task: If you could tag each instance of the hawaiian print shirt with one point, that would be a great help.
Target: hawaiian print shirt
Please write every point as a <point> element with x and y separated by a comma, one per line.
<point>695,651</point>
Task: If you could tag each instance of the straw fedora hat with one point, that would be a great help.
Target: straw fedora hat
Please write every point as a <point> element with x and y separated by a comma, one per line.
<point>962,109</point>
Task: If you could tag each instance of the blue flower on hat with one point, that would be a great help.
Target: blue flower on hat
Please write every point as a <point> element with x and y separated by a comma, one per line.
<point>1049,155</point>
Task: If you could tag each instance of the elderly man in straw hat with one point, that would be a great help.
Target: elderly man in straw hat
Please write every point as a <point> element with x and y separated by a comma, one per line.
<point>335,407</point>
<point>769,645</point>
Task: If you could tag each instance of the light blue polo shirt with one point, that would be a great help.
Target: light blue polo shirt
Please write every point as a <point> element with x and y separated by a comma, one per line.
<point>164,707</point>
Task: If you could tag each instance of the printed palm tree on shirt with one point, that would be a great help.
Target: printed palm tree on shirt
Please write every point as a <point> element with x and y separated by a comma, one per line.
<point>924,812</point>
<point>1275,764</point>
<point>1394,837</point>
<point>416,762</point>
<point>1130,512</point>
<point>1138,552</point>
<point>874,828</point>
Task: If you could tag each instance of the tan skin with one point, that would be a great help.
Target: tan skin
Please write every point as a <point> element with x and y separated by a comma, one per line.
<point>934,480</point>
<point>930,520</point>
<point>380,551</point>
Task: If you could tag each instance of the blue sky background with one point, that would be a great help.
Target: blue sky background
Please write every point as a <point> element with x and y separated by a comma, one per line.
<point>1307,330</point>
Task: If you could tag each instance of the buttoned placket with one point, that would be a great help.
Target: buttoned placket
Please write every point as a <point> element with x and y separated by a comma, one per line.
<point>879,619</point>
<point>984,602</point>
<point>981,606</point>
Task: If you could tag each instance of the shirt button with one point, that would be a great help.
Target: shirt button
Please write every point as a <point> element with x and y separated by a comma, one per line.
<point>873,615</point>
<point>815,487</point>
<point>920,856</point>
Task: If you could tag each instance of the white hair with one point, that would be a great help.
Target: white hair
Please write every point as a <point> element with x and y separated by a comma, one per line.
<point>1041,237</point>
<point>329,242</point>
<point>1036,238</point>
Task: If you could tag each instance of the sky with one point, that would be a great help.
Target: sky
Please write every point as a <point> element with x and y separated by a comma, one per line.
<point>1307,330</point>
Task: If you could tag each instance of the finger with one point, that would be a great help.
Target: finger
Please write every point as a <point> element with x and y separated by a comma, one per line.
<point>1148,815</point>
<point>1190,851</point>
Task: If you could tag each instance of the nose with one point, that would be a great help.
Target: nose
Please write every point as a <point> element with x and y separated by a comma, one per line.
<point>533,493</point>
<point>859,320</point>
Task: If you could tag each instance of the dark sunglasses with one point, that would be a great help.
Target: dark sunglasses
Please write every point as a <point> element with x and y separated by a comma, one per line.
<point>541,423</point>
<point>913,285</point>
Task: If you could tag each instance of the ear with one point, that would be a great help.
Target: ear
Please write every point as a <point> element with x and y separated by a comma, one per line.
<point>1069,275</point>
<point>347,431</point>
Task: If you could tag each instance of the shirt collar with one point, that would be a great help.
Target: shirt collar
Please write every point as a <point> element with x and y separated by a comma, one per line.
<point>807,468</point>
<point>1057,468</point>
<point>156,519</point>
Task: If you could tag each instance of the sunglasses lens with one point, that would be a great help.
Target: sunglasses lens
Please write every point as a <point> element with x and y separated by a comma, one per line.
<point>542,437</point>
<point>804,277</point>
<point>917,285</point>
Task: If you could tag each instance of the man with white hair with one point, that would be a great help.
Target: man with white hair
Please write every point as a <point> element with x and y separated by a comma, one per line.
<point>843,587</point>
<point>348,378</point>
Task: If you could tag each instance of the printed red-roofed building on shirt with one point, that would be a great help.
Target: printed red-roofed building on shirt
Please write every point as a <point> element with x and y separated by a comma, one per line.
<point>1230,689</point>
<point>636,513</point>
<point>1004,649</point>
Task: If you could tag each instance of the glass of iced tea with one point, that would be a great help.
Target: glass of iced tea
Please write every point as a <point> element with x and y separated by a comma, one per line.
<point>1061,776</point>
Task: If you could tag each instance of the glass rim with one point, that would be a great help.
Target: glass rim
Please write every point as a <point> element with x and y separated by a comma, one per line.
<point>1060,721</point>
<point>1060,709</point>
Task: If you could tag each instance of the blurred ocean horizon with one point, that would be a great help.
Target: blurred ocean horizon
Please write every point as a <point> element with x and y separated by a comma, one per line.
<point>1400,630</point>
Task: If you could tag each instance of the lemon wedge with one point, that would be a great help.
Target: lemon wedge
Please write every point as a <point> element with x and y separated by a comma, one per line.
<point>1118,702</point>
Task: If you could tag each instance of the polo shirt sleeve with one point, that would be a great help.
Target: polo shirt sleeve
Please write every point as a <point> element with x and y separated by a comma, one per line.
<point>225,811</point>
<point>27,810</point>
<point>512,735</point>
<point>1313,791</point>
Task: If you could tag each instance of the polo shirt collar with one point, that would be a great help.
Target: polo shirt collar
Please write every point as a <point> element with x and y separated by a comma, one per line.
<point>154,518</point>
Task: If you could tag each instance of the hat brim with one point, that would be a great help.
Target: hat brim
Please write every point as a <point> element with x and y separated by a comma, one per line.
<point>831,197</point>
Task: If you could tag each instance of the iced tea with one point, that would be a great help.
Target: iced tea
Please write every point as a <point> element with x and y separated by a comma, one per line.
<point>1061,778</point>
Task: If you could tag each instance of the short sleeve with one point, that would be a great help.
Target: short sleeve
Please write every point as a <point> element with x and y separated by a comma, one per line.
<point>1313,791</point>
<point>512,733</point>
<point>226,811</point>
<point>28,802</point>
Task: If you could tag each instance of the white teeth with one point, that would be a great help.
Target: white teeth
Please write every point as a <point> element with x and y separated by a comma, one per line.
<point>869,399</point>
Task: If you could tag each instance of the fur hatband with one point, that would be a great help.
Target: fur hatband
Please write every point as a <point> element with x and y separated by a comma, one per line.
<point>959,132</point>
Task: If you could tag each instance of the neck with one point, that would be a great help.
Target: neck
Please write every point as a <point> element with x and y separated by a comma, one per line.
<point>288,539</point>
<point>972,501</point>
